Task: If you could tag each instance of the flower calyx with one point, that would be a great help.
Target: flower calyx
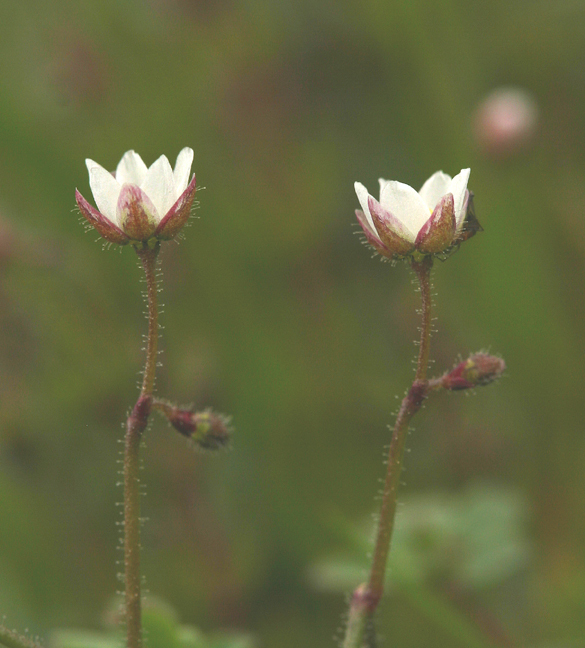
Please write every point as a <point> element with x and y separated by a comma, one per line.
<point>405,222</point>
<point>136,204</point>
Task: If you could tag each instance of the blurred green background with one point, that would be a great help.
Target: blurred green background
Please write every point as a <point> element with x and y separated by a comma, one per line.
<point>276,314</point>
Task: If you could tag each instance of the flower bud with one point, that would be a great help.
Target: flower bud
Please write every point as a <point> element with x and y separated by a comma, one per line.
<point>208,430</point>
<point>479,369</point>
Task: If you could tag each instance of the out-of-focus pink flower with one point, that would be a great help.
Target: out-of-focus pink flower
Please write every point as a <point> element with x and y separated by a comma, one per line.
<point>505,121</point>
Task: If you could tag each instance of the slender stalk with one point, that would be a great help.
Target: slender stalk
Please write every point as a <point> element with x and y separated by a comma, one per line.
<point>135,426</point>
<point>367,596</point>
<point>423,274</point>
<point>148,258</point>
<point>360,629</point>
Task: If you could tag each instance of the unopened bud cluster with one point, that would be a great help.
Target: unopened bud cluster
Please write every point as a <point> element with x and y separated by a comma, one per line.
<point>207,429</point>
<point>478,370</point>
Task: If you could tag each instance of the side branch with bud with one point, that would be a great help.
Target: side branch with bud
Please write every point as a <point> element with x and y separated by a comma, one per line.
<point>207,430</point>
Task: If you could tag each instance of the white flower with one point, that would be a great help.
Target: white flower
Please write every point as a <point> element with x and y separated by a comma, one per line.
<point>404,220</point>
<point>138,203</point>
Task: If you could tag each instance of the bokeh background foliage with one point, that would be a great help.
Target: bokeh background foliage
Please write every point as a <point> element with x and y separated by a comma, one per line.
<point>275,314</point>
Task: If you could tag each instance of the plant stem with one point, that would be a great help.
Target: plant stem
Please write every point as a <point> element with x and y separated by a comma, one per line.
<point>367,596</point>
<point>148,259</point>
<point>423,274</point>
<point>135,426</point>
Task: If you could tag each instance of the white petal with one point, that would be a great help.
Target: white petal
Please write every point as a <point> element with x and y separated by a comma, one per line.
<point>159,185</point>
<point>131,169</point>
<point>406,205</point>
<point>362,194</point>
<point>435,188</point>
<point>182,170</point>
<point>382,183</point>
<point>105,189</point>
<point>457,187</point>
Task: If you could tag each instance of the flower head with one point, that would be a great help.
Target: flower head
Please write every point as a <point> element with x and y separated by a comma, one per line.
<point>137,203</point>
<point>404,220</point>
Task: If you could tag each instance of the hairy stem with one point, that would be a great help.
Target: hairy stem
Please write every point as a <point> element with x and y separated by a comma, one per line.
<point>423,274</point>
<point>367,596</point>
<point>135,426</point>
<point>148,259</point>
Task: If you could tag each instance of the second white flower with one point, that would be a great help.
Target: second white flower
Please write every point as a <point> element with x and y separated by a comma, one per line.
<point>404,220</point>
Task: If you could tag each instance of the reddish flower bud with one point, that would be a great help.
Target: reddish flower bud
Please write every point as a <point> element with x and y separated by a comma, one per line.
<point>479,369</point>
<point>208,430</point>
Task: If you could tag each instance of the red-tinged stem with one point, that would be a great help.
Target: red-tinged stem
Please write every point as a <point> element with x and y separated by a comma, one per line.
<point>135,426</point>
<point>366,597</point>
<point>423,274</point>
<point>148,259</point>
